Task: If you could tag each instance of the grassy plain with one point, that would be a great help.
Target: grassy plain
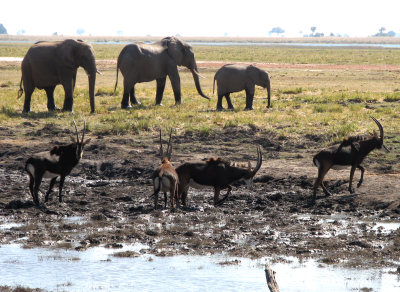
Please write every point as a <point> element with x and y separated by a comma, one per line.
<point>327,102</point>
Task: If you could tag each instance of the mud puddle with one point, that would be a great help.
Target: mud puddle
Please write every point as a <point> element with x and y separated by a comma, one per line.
<point>100,268</point>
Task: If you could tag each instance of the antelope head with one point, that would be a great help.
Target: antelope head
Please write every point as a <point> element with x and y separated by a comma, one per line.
<point>168,152</point>
<point>382,146</point>
<point>252,172</point>
<point>81,144</point>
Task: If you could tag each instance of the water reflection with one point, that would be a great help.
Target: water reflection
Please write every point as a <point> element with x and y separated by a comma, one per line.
<point>97,269</point>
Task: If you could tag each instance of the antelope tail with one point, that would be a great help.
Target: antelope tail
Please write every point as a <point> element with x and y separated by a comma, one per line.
<point>213,85</point>
<point>116,81</point>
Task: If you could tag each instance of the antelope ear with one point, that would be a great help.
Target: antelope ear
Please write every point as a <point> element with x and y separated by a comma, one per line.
<point>356,146</point>
<point>73,139</point>
<point>86,142</point>
<point>249,165</point>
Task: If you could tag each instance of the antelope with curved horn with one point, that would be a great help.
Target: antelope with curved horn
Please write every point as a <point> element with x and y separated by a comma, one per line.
<point>350,153</point>
<point>165,178</point>
<point>215,173</point>
<point>57,162</point>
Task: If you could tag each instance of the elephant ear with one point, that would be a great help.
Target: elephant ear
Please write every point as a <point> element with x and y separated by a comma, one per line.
<point>176,50</point>
<point>254,74</point>
<point>65,52</point>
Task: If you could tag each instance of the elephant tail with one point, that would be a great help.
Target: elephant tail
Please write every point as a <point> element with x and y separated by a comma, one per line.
<point>213,85</point>
<point>116,81</point>
<point>21,90</point>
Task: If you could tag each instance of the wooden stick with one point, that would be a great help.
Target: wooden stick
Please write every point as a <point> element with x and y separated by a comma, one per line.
<point>271,281</point>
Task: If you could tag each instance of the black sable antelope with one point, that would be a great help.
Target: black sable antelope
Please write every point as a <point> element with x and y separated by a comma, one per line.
<point>214,173</point>
<point>350,153</point>
<point>59,161</point>
<point>165,178</point>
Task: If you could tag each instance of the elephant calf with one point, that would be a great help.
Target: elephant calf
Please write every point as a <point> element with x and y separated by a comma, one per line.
<point>233,78</point>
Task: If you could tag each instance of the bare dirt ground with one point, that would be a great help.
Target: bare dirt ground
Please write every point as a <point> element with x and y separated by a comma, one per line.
<point>109,195</point>
<point>107,198</point>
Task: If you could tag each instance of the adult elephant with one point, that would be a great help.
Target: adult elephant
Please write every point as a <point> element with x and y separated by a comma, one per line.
<point>233,78</point>
<point>140,62</point>
<point>48,64</point>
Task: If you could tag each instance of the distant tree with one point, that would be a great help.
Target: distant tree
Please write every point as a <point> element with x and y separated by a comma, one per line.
<point>178,35</point>
<point>55,33</point>
<point>300,32</point>
<point>225,34</point>
<point>319,34</point>
<point>382,29</point>
<point>21,32</point>
<point>313,28</point>
<point>2,29</point>
<point>391,33</point>
<point>277,30</point>
<point>331,34</point>
<point>80,31</point>
<point>120,32</point>
<point>338,35</point>
<point>346,35</point>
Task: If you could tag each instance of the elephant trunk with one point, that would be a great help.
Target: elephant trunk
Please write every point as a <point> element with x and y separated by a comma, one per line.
<point>269,93</point>
<point>92,82</point>
<point>197,82</point>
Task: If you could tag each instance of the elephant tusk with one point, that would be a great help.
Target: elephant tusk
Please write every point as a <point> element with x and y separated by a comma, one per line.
<point>98,72</point>
<point>194,71</point>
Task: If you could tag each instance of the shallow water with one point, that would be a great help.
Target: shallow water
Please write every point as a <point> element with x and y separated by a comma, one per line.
<point>249,44</point>
<point>97,270</point>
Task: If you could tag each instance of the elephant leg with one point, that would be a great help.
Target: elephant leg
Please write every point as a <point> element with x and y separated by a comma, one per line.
<point>176,85</point>
<point>228,100</point>
<point>219,103</point>
<point>133,96</point>
<point>249,99</point>
<point>51,105</point>
<point>69,99</point>
<point>160,90</point>
<point>27,102</point>
<point>127,89</point>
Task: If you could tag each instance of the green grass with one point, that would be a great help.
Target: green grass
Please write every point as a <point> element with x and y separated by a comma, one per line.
<point>264,54</point>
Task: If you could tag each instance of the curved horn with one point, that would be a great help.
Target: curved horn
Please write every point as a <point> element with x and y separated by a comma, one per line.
<point>379,126</point>
<point>259,160</point>
<point>84,129</point>
<point>76,130</point>
<point>195,72</point>
<point>169,148</point>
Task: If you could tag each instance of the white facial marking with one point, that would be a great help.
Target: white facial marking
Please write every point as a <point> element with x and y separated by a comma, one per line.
<point>249,183</point>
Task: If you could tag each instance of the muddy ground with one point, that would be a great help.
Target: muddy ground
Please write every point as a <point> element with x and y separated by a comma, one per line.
<point>107,201</point>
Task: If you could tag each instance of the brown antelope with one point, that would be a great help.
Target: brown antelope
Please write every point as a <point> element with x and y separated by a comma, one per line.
<point>165,178</point>
<point>351,152</point>
<point>214,173</point>
<point>57,162</point>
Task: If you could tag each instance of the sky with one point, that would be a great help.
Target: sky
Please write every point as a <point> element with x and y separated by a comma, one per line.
<point>244,18</point>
